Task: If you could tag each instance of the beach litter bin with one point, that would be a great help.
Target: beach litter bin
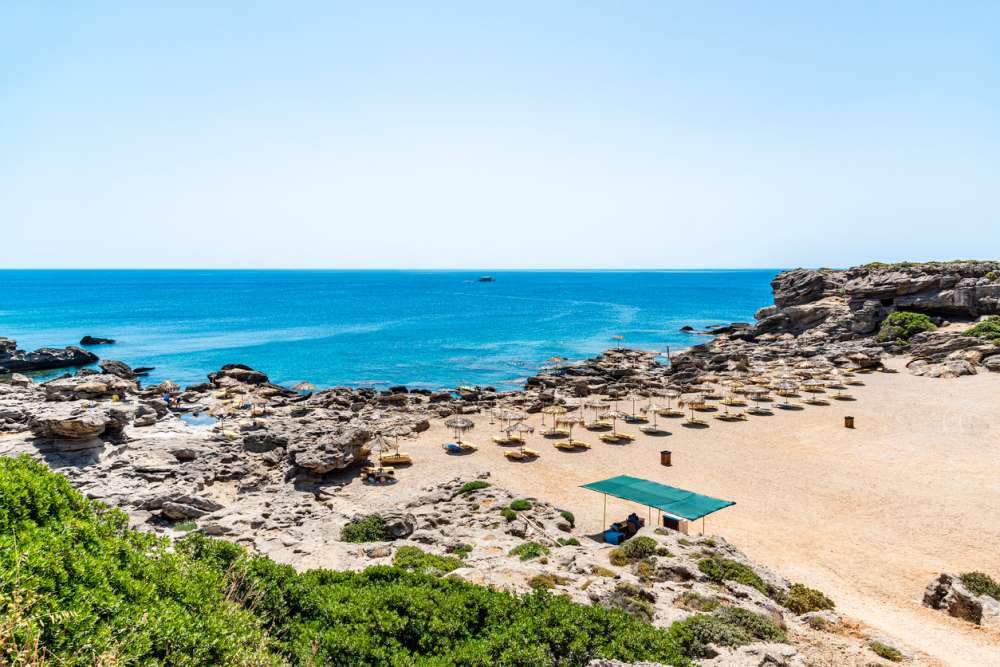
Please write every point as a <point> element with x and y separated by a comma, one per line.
<point>848,422</point>
<point>665,457</point>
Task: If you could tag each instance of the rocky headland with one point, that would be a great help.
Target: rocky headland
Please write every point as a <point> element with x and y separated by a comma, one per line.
<point>268,467</point>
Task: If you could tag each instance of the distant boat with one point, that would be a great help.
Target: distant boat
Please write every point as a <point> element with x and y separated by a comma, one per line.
<point>487,279</point>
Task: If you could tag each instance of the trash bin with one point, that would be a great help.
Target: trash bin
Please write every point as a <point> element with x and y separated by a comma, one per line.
<point>848,422</point>
<point>665,457</point>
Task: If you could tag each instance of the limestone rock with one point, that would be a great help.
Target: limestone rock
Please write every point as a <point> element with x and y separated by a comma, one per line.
<point>117,368</point>
<point>947,592</point>
<point>13,360</point>
<point>94,340</point>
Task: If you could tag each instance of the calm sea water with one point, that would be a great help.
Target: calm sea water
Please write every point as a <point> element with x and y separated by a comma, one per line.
<point>420,328</point>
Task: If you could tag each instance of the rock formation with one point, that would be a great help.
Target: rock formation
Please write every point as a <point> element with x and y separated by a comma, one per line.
<point>13,360</point>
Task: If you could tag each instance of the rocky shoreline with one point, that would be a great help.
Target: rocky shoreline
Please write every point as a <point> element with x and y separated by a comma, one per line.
<point>267,470</point>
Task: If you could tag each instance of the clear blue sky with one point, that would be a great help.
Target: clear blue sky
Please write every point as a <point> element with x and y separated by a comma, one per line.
<point>576,134</point>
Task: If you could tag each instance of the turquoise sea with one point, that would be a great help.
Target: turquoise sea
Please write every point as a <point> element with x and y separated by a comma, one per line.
<point>428,329</point>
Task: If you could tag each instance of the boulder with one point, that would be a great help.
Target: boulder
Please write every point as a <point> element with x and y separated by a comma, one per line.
<point>144,415</point>
<point>117,368</point>
<point>399,525</point>
<point>188,507</point>
<point>947,592</point>
<point>333,448</point>
<point>18,380</point>
<point>68,423</point>
<point>237,373</point>
<point>95,340</point>
<point>45,358</point>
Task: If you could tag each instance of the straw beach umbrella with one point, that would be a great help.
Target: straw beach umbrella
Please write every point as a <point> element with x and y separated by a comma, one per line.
<point>459,424</point>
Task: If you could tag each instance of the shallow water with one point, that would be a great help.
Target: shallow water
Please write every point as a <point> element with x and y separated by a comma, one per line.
<point>421,328</point>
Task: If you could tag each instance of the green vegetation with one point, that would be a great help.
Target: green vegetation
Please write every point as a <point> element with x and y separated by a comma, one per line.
<point>663,551</point>
<point>186,526</point>
<point>528,550</point>
<point>801,599</point>
<point>635,601</point>
<point>570,519</point>
<point>508,513</point>
<point>720,569</point>
<point>547,580</point>
<point>980,583</point>
<point>639,547</point>
<point>618,557</point>
<point>469,487</point>
<point>988,329</point>
<point>602,571</point>
<point>890,653</point>
<point>413,558</point>
<point>520,505</point>
<point>993,275</point>
<point>369,529</point>
<point>568,542</point>
<point>77,587</point>
<point>462,550</point>
<point>695,602</point>
<point>726,626</point>
<point>901,325</point>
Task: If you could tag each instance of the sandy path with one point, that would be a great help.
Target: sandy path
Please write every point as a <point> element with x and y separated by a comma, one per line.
<point>867,515</point>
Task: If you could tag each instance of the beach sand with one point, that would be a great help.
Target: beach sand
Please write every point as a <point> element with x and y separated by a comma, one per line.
<point>868,515</point>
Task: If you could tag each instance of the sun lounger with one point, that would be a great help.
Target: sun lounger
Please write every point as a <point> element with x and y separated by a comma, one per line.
<point>521,454</point>
<point>616,437</point>
<point>467,446</point>
<point>731,417</point>
<point>568,445</point>
<point>396,459</point>
<point>555,433</point>
<point>651,430</point>
<point>597,424</point>
<point>507,439</point>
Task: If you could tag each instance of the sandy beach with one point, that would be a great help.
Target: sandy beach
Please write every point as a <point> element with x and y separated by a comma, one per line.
<point>868,515</point>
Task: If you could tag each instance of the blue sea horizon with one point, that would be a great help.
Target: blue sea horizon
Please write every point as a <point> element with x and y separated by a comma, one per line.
<point>421,328</point>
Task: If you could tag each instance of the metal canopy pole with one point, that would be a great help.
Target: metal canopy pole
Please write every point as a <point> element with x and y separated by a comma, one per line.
<point>604,523</point>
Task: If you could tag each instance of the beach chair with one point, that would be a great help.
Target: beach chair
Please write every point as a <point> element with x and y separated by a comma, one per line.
<point>467,446</point>
<point>508,439</point>
<point>731,417</point>
<point>650,429</point>
<point>555,433</point>
<point>521,454</point>
<point>396,458</point>
<point>378,474</point>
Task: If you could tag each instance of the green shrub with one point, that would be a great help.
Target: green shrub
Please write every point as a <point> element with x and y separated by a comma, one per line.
<point>726,626</point>
<point>980,583</point>
<point>720,569</point>
<point>508,513</point>
<point>369,529</point>
<point>570,519</point>
<point>695,602</point>
<point>993,275</point>
<point>890,653</point>
<point>547,580</point>
<point>469,487</point>
<point>902,325</point>
<point>663,551</point>
<point>462,550</point>
<point>520,505</point>
<point>528,550</point>
<point>618,557</point>
<point>602,571</point>
<point>568,542</point>
<point>185,526</point>
<point>801,599</point>
<point>639,547</point>
<point>413,558</point>
<point>635,601</point>
<point>91,591</point>
<point>989,328</point>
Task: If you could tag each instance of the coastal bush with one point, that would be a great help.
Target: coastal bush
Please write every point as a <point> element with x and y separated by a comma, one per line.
<point>696,602</point>
<point>993,275</point>
<point>988,329</point>
<point>547,580</point>
<point>618,557</point>
<point>369,529</point>
<point>890,653</point>
<point>570,519</point>
<point>720,569</point>
<point>980,583</point>
<point>636,601</point>
<point>78,587</point>
<point>602,571</point>
<point>639,547</point>
<point>568,542</point>
<point>185,526</point>
<point>469,487</point>
<point>520,505</point>
<point>801,599</point>
<point>416,559</point>
<point>508,513</point>
<point>726,626</point>
<point>528,550</point>
<point>462,550</point>
<point>902,325</point>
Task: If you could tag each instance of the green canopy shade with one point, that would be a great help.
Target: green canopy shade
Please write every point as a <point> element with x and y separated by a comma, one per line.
<point>669,499</point>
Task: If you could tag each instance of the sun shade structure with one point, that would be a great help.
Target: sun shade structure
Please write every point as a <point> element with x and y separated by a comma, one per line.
<point>668,499</point>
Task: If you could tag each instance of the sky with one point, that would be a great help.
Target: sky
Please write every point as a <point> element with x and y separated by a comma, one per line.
<point>497,134</point>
